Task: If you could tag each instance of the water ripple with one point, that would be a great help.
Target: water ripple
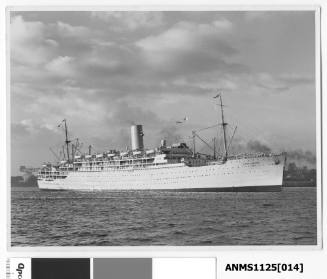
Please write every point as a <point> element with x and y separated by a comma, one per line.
<point>42,218</point>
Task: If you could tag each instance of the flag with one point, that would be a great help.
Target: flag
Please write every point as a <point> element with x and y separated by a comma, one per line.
<point>61,123</point>
<point>182,121</point>
<point>216,96</point>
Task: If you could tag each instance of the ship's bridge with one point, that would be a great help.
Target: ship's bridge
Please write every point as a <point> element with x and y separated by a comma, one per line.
<point>177,150</point>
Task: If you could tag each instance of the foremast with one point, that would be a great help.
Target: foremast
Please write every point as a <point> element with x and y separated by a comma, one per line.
<point>67,141</point>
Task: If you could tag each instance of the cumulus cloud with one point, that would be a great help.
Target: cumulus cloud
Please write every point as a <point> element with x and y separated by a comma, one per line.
<point>62,66</point>
<point>230,77</point>
<point>28,127</point>
<point>110,60</point>
<point>187,46</point>
<point>122,21</point>
<point>67,30</point>
<point>28,43</point>
<point>223,24</point>
<point>126,114</point>
<point>19,130</point>
<point>25,32</point>
<point>184,36</point>
<point>187,36</point>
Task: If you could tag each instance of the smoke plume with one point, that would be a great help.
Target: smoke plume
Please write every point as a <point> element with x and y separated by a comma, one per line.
<point>257,146</point>
<point>170,134</point>
<point>298,156</point>
<point>301,157</point>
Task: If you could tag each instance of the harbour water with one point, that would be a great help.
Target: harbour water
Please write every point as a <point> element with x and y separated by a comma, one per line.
<point>141,218</point>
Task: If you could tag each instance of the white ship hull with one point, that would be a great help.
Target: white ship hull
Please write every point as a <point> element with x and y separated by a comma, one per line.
<point>246,174</point>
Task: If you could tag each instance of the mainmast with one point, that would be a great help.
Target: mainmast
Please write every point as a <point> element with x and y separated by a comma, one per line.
<point>224,127</point>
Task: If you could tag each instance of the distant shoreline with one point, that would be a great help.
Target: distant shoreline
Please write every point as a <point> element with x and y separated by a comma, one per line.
<point>299,184</point>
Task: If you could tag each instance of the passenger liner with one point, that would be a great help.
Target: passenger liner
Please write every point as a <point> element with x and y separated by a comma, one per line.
<point>166,168</point>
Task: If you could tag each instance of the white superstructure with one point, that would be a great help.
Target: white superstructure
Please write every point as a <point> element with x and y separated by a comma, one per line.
<point>253,173</point>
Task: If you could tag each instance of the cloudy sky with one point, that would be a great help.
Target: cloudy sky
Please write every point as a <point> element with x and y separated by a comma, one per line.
<point>103,71</point>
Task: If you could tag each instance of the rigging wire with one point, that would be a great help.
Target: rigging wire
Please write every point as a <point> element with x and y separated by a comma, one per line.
<point>206,128</point>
